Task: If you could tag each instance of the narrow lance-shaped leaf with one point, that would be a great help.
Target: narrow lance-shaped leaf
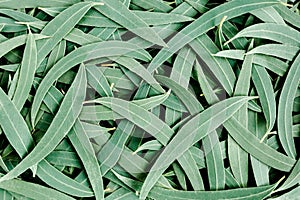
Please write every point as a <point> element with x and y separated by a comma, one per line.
<point>257,126</point>
<point>139,116</point>
<point>285,109</point>
<point>193,131</point>
<point>32,190</point>
<point>266,93</point>
<point>33,4</point>
<point>14,126</point>
<point>220,67</point>
<point>128,20</point>
<point>68,19</point>
<point>206,22</point>
<point>53,177</point>
<point>80,55</point>
<point>101,112</point>
<point>211,144</point>
<point>283,51</point>
<point>268,14</point>
<point>98,81</point>
<point>293,178</point>
<point>237,156</point>
<point>60,126</point>
<point>253,146</point>
<point>230,194</point>
<point>26,74</point>
<point>276,32</point>
<point>15,42</point>
<point>82,145</point>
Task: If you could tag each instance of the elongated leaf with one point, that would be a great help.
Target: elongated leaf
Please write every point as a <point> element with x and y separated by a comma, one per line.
<point>79,37</point>
<point>278,50</point>
<point>139,116</point>
<point>85,151</point>
<point>259,150</point>
<point>205,48</point>
<point>15,42</point>
<point>185,96</point>
<point>77,56</point>
<point>33,191</point>
<point>62,123</point>
<point>288,15</point>
<point>98,81</point>
<point>211,144</point>
<point>32,3</point>
<point>101,112</point>
<point>155,4</point>
<point>68,19</point>
<point>197,128</point>
<point>265,91</point>
<point>139,69</point>
<point>214,161</point>
<point>233,54</point>
<point>276,32</point>
<point>58,180</point>
<point>275,65</point>
<point>129,20</point>
<point>293,178</point>
<point>237,156</point>
<point>268,14</point>
<point>14,126</point>
<point>189,166</point>
<point>245,194</point>
<point>204,23</point>
<point>285,109</point>
<point>156,18</point>
<point>260,170</point>
<point>56,54</point>
<point>26,75</point>
<point>292,195</point>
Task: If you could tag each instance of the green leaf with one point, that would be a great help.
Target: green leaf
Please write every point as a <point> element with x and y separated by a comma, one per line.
<point>80,55</point>
<point>98,81</point>
<point>31,190</point>
<point>245,194</point>
<point>139,116</point>
<point>82,145</point>
<point>276,32</point>
<point>285,109</point>
<point>62,123</point>
<point>14,126</point>
<point>266,94</point>
<point>58,180</point>
<point>293,178</point>
<point>220,67</point>
<point>15,42</point>
<point>68,19</point>
<point>259,150</point>
<point>32,3</point>
<point>189,166</point>
<point>190,101</point>
<point>204,23</point>
<point>26,75</point>
<point>268,14</point>
<point>257,126</point>
<point>214,161</point>
<point>129,20</point>
<point>196,128</point>
<point>278,50</point>
<point>156,5</point>
<point>232,53</point>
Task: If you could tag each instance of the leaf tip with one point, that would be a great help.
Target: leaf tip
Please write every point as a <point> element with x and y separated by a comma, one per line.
<point>97,4</point>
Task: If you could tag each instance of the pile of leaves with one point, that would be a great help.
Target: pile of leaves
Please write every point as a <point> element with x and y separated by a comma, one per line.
<point>149,99</point>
